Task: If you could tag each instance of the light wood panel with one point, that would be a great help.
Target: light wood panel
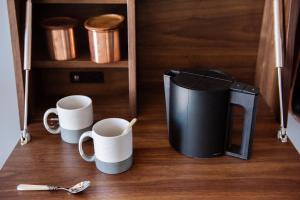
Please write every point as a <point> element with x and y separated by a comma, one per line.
<point>132,57</point>
<point>266,73</point>
<point>16,48</point>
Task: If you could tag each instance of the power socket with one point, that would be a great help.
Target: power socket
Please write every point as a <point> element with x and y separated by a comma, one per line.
<point>87,77</point>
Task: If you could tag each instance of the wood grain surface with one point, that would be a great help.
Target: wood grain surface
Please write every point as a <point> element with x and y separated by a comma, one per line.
<point>192,33</point>
<point>266,76</point>
<point>170,34</point>
<point>158,172</point>
<point>16,48</point>
<point>132,69</point>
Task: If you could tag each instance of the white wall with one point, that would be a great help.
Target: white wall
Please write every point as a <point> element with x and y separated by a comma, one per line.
<point>9,118</point>
<point>293,127</point>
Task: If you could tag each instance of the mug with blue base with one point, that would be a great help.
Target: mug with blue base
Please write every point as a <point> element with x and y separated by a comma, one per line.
<point>112,147</point>
<point>75,116</point>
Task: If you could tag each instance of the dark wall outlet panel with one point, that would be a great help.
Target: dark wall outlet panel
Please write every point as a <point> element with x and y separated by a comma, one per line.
<point>87,77</point>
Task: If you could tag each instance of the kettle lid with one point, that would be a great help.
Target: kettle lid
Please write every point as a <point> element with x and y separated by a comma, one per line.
<point>203,80</point>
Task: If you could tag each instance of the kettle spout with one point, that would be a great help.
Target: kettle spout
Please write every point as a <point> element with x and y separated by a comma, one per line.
<point>167,83</point>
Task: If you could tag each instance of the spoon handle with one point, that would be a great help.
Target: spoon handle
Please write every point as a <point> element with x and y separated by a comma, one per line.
<point>34,187</point>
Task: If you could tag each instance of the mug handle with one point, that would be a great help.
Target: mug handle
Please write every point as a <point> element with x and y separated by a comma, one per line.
<point>83,155</point>
<point>45,120</point>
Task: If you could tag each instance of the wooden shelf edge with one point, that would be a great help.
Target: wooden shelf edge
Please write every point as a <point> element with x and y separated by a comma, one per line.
<point>75,64</point>
<point>81,1</point>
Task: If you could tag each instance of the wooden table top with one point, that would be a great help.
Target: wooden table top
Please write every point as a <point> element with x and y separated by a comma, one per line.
<point>158,172</point>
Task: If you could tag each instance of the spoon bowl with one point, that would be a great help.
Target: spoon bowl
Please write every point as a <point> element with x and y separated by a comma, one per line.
<point>79,187</point>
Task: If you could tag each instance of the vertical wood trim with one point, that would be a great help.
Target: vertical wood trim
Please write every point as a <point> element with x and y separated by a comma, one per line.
<point>292,17</point>
<point>266,72</point>
<point>266,78</point>
<point>132,57</point>
<point>17,56</point>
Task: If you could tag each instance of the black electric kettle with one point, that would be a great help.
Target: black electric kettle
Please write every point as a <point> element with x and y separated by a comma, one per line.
<point>199,105</point>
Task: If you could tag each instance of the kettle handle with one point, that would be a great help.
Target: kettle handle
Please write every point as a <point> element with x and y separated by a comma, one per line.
<point>245,96</point>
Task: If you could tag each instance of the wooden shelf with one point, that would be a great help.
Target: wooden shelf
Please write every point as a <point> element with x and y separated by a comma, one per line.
<point>81,1</point>
<point>48,85</point>
<point>77,63</point>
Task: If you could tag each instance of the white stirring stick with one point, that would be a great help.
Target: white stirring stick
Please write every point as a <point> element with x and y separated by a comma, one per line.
<point>129,126</point>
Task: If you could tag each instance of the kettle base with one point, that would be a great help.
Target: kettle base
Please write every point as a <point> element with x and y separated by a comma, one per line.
<point>211,155</point>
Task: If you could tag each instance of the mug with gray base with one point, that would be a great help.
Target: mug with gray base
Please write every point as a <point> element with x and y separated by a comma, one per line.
<point>112,147</point>
<point>75,116</point>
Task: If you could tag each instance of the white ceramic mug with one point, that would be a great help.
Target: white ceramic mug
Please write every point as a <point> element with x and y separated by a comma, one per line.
<point>75,115</point>
<point>113,150</point>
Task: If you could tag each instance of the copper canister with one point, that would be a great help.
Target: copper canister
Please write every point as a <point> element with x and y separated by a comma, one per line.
<point>61,37</point>
<point>104,39</point>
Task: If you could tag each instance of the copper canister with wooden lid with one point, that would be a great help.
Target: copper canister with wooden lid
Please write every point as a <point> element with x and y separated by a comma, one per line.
<point>104,38</point>
<point>61,37</point>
